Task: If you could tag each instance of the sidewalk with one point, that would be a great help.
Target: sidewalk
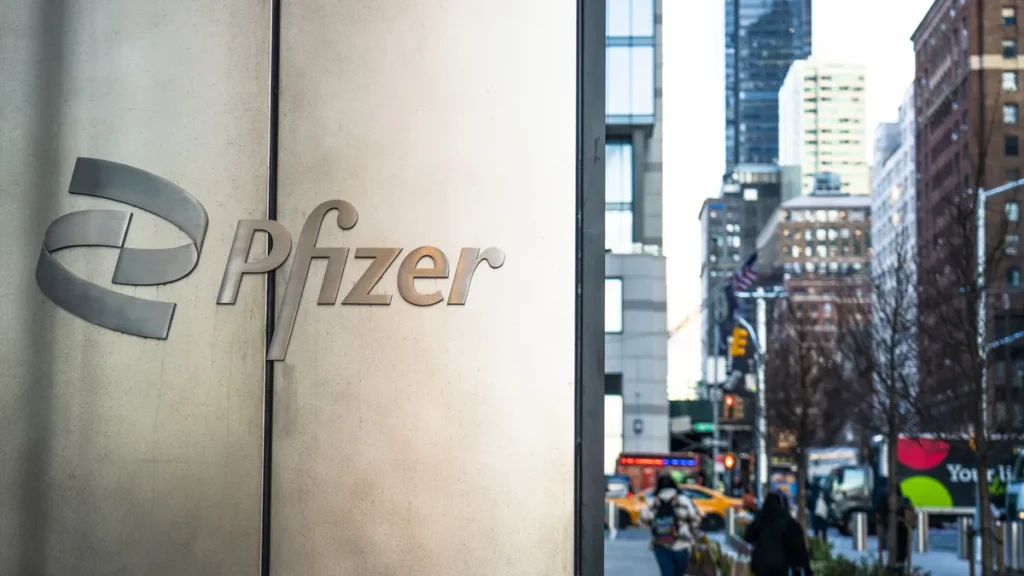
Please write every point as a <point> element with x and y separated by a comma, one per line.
<point>629,555</point>
<point>938,562</point>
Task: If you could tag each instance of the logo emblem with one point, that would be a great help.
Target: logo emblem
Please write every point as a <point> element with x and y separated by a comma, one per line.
<point>135,266</point>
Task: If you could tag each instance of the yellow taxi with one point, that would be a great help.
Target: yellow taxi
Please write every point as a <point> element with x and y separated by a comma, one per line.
<point>710,503</point>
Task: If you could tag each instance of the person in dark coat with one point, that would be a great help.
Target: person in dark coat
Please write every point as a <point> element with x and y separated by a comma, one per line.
<point>779,545</point>
<point>903,515</point>
<point>819,502</point>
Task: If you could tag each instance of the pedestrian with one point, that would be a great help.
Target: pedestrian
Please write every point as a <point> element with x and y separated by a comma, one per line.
<point>819,503</point>
<point>675,526</point>
<point>904,518</point>
<point>780,547</point>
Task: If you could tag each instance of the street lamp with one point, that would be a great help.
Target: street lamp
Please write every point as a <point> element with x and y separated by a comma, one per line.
<point>983,195</point>
<point>981,246</point>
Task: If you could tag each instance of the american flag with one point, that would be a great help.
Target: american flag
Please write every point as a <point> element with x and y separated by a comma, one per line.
<point>745,276</point>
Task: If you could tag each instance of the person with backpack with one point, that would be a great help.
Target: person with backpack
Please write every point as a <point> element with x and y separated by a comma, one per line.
<point>780,548</point>
<point>675,525</point>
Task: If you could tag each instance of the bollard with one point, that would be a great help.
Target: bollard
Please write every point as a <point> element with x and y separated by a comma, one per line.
<point>730,522</point>
<point>1012,545</point>
<point>860,531</point>
<point>998,532</point>
<point>613,521</point>
<point>922,532</point>
<point>964,536</point>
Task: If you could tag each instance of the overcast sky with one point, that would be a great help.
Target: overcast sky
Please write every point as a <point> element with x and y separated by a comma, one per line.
<point>875,33</point>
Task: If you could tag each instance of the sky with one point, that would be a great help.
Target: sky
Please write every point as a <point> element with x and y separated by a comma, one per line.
<point>694,126</point>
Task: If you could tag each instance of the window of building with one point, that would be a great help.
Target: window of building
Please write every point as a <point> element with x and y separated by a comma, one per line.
<point>1011,114</point>
<point>1011,145</point>
<point>1009,15</point>
<point>1012,242</point>
<point>1013,277</point>
<point>750,194</point>
<point>1012,211</point>
<point>613,305</point>
<point>618,207</point>
<point>629,18</point>
<point>1009,81</point>
<point>629,81</point>
<point>1009,48</point>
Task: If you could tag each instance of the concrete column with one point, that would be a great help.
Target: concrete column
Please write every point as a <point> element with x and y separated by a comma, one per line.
<point>120,454</point>
<point>429,439</point>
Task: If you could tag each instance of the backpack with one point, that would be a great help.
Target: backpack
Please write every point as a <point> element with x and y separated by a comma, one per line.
<point>664,529</point>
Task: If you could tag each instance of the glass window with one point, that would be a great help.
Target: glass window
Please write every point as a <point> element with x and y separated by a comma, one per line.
<point>1012,211</point>
<point>820,234</point>
<point>1009,81</point>
<point>1009,48</point>
<point>750,194</point>
<point>1009,15</point>
<point>613,305</point>
<point>1013,277</point>
<point>625,18</point>
<point>618,172</point>
<point>1011,145</point>
<point>618,230</point>
<point>1011,114</point>
<point>629,82</point>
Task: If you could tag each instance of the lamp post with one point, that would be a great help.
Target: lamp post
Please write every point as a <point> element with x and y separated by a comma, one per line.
<point>982,328</point>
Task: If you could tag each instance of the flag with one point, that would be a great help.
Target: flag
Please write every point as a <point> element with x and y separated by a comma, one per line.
<point>744,278</point>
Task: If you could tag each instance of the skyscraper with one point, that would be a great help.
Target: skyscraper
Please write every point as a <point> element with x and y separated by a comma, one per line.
<point>822,111</point>
<point>762,39</point>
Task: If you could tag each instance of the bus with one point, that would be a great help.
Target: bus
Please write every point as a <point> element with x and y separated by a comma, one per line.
<point>642,468</point>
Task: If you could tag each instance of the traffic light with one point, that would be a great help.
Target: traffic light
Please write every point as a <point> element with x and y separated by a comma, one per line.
<point>739,342</point>
<point>732,408</point>
<point>729,461</point>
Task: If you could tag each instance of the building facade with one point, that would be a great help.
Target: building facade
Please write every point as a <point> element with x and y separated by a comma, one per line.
<point>818,237</point>
<point>730,224</point>
<point>636,317</point>
<point>967,99</point>
<point>822,117</point>
<point>762,39</point>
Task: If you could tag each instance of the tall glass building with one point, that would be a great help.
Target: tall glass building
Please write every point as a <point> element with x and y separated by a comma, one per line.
<point>636,309</point>
<point>762,39</point>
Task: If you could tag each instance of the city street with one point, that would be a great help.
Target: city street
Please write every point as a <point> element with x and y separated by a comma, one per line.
<point>629,555</point>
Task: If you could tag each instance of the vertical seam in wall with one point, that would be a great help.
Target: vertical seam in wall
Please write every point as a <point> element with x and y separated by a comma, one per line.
<point>577,284</point>
<point>271,285</point>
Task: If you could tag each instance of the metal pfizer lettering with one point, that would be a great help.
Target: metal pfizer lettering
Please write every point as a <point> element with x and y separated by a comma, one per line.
<point>151,267</point>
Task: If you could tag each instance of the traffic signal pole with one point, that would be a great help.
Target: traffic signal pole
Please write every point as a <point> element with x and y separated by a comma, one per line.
<point>715,399</point>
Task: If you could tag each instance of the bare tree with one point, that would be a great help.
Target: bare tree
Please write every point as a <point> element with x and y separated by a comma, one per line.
<point>953,395</point>
<point>878,336</point>
<point>801,367</point>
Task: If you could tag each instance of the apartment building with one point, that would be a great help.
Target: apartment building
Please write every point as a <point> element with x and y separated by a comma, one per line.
<point>822,117</point>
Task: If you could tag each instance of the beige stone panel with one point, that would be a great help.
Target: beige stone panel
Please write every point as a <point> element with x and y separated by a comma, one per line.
<point>433,440</point>
<point>122,455</point>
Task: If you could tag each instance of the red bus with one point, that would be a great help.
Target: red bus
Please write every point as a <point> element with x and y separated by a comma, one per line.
<point>643,468</point>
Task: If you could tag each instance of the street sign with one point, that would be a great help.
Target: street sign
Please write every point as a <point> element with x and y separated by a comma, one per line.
<point>703,427</point>
<point>711,443</point>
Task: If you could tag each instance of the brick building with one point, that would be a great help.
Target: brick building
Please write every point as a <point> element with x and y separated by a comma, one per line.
<point>967,99</point>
